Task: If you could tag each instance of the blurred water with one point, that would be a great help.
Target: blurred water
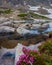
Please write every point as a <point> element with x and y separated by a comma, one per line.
<point>24,31</point>
<point>50,27</point>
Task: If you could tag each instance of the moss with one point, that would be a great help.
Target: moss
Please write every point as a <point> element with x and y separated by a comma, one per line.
<point>22,14</point>
<point>8,11</point>
<point>1,12</point>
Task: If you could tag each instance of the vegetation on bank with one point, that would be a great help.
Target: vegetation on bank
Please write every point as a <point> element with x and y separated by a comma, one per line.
<point>32,15</point>
<point>46,47</point>
<point>37,16</point>
<point>7,11</point>
<point>34,57</point>
<point>30,57</point>
<point>46,50</point>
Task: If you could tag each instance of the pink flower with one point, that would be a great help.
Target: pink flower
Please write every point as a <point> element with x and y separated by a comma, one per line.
<point>22,57</point>
<point>18,63</point>
<point>28,63</point>
<point>28,57</point>
<point>39,54</point>
<point>24,50</point>
<point>28,50</point>
<point>35,51</point>
<point>31,59</point>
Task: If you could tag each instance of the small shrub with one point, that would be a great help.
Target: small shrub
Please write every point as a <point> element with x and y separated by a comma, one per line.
<point>46,47</point>
<point>47,59</point>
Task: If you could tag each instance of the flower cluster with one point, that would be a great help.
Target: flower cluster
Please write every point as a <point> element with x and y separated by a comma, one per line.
<point>30,57</point>
<point>25,60</point>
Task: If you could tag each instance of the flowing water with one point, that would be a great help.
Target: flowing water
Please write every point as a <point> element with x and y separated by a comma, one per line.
<point>25,31</point>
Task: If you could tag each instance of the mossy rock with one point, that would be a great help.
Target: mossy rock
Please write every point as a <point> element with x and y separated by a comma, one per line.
<point>43,11</point>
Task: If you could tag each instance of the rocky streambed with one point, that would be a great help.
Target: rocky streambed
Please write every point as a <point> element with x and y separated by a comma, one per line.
<point>25,32</point>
